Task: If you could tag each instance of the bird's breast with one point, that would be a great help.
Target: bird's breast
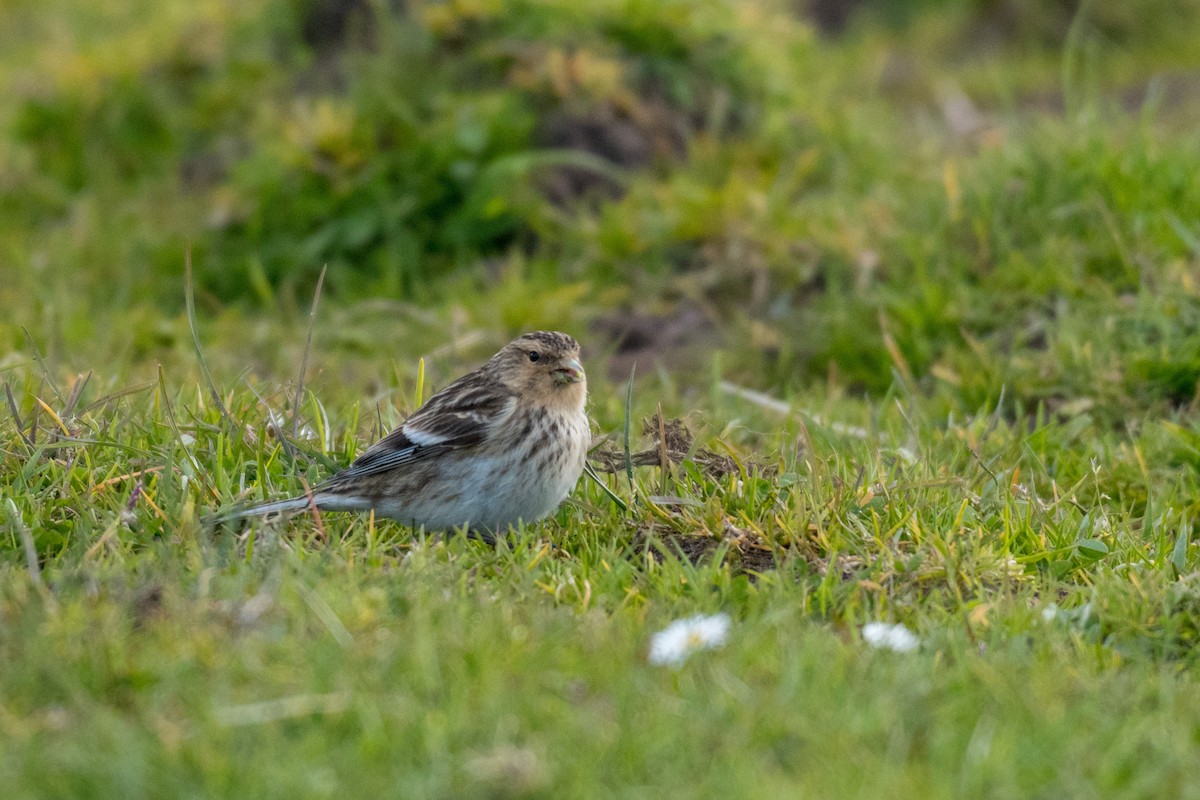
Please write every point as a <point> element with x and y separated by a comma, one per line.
<point>528,477</point>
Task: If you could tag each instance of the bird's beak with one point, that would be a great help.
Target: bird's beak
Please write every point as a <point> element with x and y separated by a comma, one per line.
<point>569,371</point>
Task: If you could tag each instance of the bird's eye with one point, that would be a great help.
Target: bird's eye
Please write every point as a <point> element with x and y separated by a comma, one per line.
<point>534,355</point>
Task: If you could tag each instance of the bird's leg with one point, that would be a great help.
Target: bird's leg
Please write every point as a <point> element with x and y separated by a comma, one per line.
<point>483,534</point>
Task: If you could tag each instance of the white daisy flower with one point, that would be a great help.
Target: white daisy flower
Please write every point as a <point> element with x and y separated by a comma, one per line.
<point>671,646</point>
<point>885,636</point>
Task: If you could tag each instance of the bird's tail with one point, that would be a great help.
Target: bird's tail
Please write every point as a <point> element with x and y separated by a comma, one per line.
<point>276,507</point>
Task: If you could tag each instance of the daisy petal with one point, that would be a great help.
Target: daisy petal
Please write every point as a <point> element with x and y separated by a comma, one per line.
<point>671,646</point>
<point>885,636</point>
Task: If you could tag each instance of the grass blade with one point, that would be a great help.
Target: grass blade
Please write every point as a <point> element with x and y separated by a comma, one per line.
<point>591,473</point>
<point>31,555</point>
<point>189,302</point>
<point>16,414</point>
<point>201,476</point>
<point>628,422</point>
<point>37,355</point>
<point>1179,552</point>
<point>420,390</point>
<point>76,394</point>
<point>272,418</point>
<point>312,316</point>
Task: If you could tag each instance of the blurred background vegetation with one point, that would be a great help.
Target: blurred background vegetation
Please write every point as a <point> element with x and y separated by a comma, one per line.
<point>958,195</point>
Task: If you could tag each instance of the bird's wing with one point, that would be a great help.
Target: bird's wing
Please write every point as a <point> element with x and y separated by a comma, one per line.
<point>456,418</point>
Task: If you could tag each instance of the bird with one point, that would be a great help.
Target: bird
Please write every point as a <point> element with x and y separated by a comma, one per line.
<point>502,445</point>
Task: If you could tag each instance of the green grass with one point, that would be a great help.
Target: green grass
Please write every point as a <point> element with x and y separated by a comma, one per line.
<point>940,365</point>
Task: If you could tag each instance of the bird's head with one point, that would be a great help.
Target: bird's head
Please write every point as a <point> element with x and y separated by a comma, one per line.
<point>544,366</point>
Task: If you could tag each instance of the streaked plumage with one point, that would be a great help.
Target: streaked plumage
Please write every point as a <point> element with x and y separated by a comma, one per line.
<point>500,445</point>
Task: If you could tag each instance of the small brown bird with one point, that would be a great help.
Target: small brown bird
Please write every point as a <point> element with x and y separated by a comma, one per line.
<point>501,445</point>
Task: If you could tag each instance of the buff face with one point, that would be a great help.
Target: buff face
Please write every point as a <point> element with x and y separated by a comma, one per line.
<point>545,367</point>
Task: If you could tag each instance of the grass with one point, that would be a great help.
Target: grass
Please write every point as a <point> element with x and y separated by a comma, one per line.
<point>939,366</point>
